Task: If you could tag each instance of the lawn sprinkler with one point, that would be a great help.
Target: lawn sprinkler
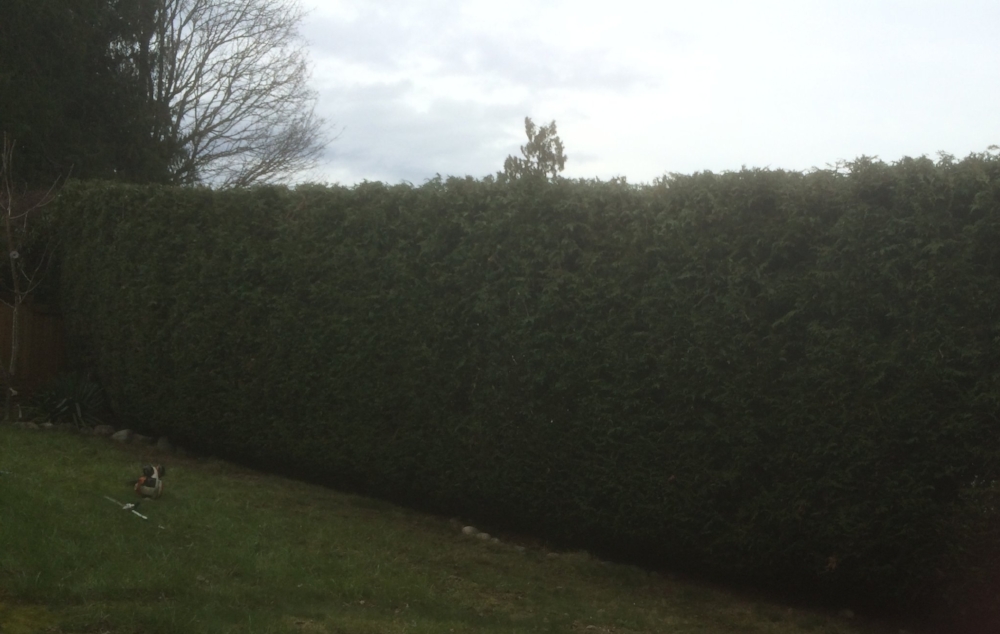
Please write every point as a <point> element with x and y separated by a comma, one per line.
<point>127,507</point>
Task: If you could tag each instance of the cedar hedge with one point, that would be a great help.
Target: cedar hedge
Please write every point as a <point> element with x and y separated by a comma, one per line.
<point>780,378</point>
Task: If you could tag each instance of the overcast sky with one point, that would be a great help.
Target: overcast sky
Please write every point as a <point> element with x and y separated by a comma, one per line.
<point>641,89</point>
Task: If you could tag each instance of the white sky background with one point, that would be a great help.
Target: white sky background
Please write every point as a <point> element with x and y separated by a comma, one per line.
<point>641,89</point>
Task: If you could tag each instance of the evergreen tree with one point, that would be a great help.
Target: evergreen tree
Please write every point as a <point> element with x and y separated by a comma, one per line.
<point>70,100</point>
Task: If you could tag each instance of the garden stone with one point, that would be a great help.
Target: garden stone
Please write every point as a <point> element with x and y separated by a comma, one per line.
<point>469,530</point>
<point>163,444</point>
<point>46,426</point>
<point>483,536</point>
<point>104,430</point>
<point>122,436</point>
<point>146,440</point>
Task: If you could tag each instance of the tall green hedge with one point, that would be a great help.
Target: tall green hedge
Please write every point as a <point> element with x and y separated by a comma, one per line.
<point>788,379</point>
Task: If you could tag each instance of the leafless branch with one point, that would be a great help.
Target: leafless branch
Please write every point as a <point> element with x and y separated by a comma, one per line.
<point>234,76</point>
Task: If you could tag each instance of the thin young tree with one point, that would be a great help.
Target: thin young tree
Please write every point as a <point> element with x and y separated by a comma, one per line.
<point>544,154</point>
<point>226,84</point>
<point>26,271</point>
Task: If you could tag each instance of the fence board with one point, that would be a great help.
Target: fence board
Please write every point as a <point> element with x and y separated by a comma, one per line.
<point>43,346</point>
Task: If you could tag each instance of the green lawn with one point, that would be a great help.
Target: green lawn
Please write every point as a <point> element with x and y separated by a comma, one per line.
<point>228,549</point>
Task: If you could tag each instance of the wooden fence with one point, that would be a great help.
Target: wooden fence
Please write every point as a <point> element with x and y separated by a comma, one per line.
<point>43,347</point>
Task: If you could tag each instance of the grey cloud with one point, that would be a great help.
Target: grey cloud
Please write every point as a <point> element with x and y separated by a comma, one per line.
<point>387,139</point>
<point>376,45</point>
<point>383,33</point>
<point>825,83</point>
<point>538,65</point>
<point>384,40</point>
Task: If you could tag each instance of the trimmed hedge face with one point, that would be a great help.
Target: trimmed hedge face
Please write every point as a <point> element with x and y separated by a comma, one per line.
<point>782,378</point>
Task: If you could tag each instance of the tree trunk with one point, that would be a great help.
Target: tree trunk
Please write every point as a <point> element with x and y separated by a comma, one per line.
<point>15,349</point>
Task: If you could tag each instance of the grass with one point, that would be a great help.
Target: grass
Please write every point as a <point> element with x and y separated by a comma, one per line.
<point>227,549</point>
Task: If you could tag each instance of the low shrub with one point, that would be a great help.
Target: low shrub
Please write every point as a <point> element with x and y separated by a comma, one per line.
<point>71,397</point>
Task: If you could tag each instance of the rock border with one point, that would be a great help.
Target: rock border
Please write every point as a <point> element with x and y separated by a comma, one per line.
<point>125,436</point>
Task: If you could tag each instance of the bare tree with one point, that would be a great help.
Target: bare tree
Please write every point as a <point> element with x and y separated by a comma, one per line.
<point>26,270</point>
<point>227,81</point>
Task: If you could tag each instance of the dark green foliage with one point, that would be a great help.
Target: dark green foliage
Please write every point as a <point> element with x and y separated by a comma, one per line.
<point>782,378</point>
<point>71,397</point>
<point>70,100</point>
